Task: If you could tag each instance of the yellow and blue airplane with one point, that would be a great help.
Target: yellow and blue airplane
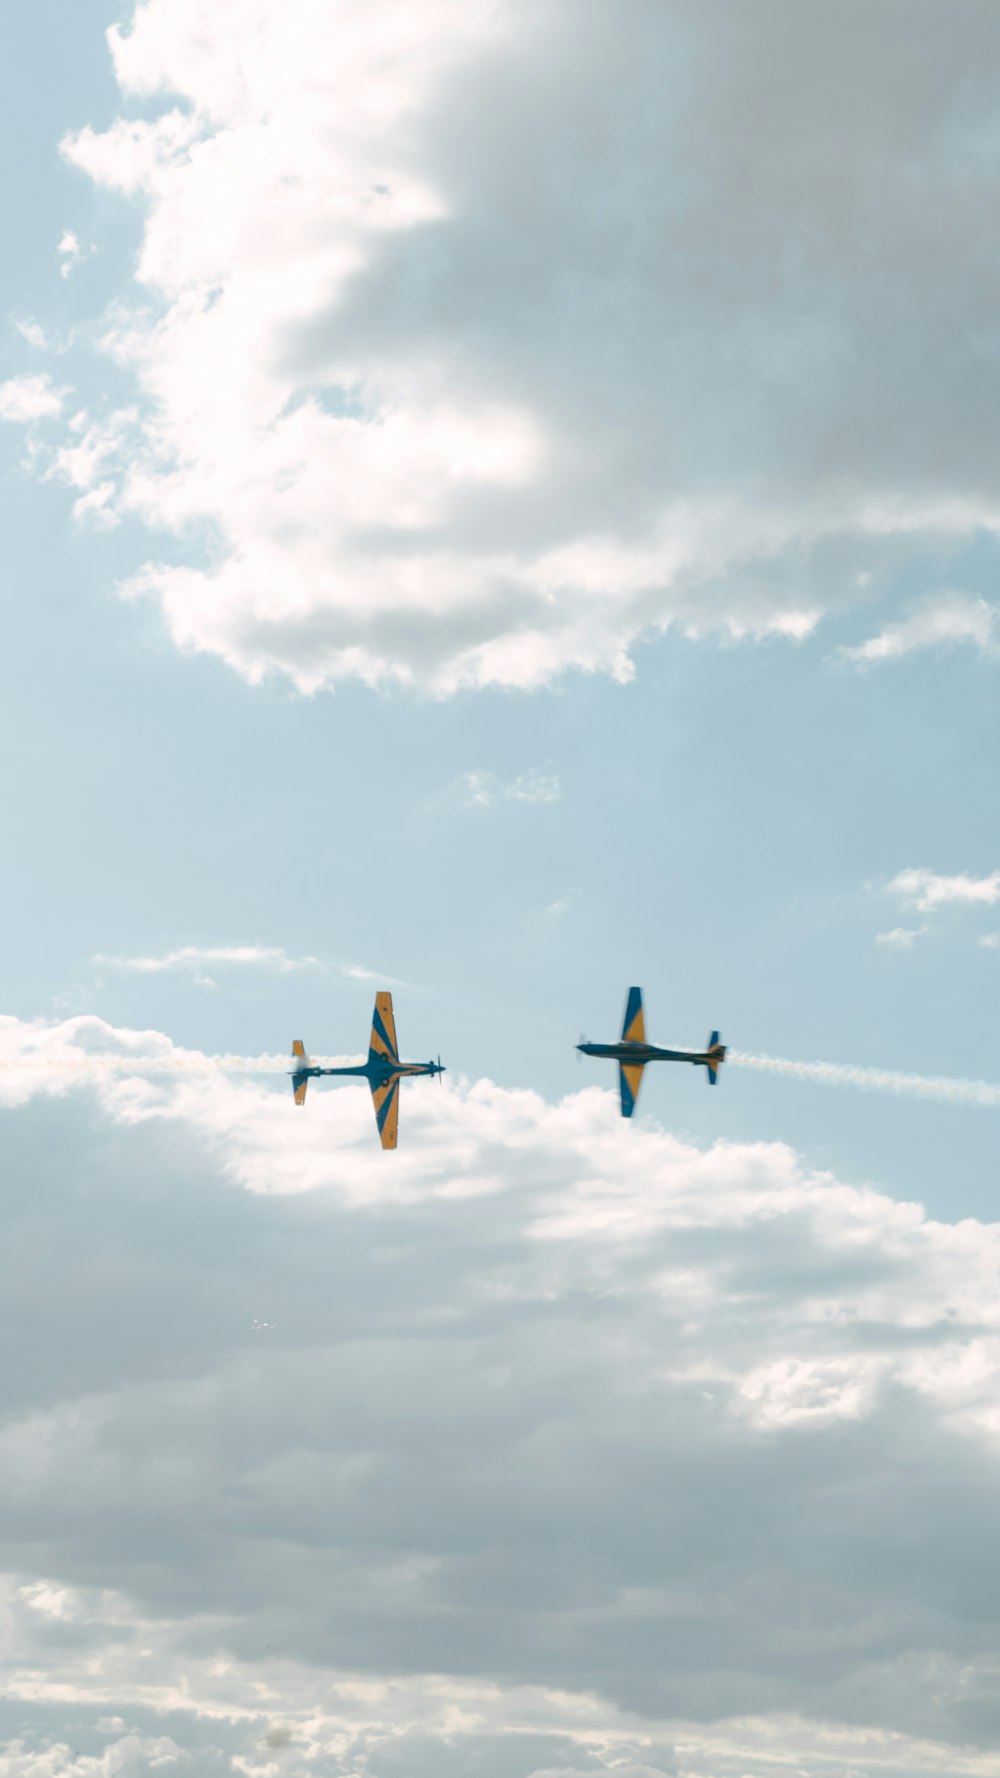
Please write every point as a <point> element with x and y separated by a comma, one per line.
<point>383,1070</point>
<point>633,1052</point>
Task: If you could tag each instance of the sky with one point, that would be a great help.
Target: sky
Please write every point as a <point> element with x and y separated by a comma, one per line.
<point>499,503</point>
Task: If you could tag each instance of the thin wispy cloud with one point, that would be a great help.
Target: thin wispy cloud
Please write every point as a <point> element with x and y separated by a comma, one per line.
<point>944,623</point>
<point>196,957</point>
<point>358,973</point>
<point>484,790</point>
<point>532,787</point>
<point>927,891</point>
<point>33,333</point>
<point>562,903</point>
<point>900,938</point>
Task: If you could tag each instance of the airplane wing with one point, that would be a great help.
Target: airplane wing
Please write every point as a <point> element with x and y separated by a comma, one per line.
<point>385,1099</point>
<point>630,1080</point>
<point>634,1028</point>
<point>383,1037</point>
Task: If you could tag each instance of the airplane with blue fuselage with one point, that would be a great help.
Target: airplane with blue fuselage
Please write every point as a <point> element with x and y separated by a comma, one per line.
<point>383,1070</point>
<point>633,1053</point>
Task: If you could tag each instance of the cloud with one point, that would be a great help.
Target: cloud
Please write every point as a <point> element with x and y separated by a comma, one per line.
<point>900,938</point>
<point>562,903</point>
<point>130,1756</point>
<point>558,1426</point>
<point>33,333</point>
<point>30,398</point>
<point>955,619</point>
<point>532,787</point>
<point>473,344</point>
<point>71,254</point>
<point>87,462</point>
<point>484,790</point>
<point>194,957</point>
<point>358,973</point>
<point>926,891</point>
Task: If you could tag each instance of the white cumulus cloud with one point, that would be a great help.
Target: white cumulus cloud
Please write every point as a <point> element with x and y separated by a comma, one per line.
<point>479,341</point>
<point>30,398</point>
<point>926,891</point>
<point>558,1424</point>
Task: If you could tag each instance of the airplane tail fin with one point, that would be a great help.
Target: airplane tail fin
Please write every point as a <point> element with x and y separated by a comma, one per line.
<point>300,1080</point>
<point>716,1053</point>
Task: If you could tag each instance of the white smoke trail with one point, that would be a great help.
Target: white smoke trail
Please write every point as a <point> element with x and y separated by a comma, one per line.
<point>876,1080</point>
<point>175,1062</point>
<point>59,1061</point>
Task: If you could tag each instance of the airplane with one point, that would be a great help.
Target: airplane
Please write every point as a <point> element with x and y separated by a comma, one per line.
<point>383,1070</point>
<point>633,1052</point>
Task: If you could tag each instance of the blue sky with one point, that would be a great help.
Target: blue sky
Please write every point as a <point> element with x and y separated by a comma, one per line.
<point>504,563</point>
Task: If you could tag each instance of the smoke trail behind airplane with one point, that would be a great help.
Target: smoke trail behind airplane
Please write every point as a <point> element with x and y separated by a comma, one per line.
<point>832,1074</point>
<point>875,1080</point>
<point>177,1062</point>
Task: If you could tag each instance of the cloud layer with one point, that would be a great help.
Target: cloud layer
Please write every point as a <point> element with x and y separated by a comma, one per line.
<point>473,342</point>
<point>551,1444</point>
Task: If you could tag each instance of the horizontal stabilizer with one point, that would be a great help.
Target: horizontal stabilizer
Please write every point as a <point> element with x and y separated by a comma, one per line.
<point>299,1080</point>
<point>716,1054</point>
